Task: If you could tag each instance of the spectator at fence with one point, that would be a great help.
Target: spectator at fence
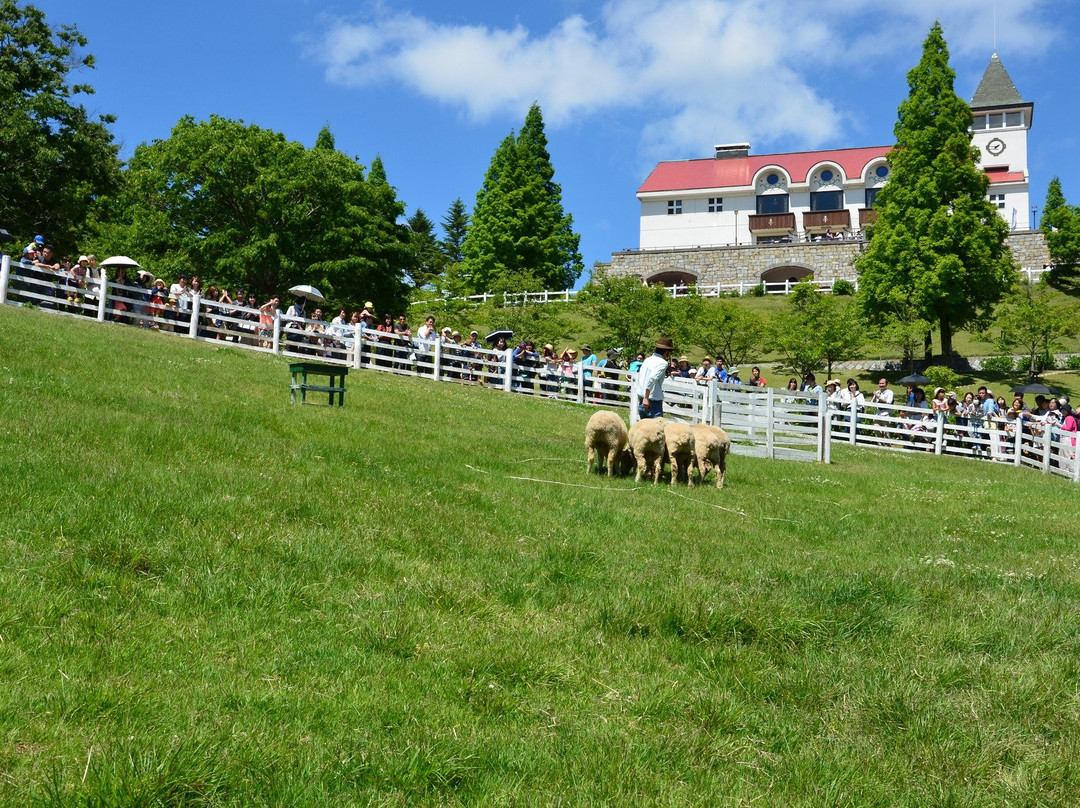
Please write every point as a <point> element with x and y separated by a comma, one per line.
<point>404,343</point>
<point>733,376</point>
<point>649,382</point>
<point>706,372</point>
<point>832,394</point>
<point>756,379</point>
<point>550,361</point>
<point>635,366</point>
<point>525,360</point>
<point>811,386</point>
<point>180,298</point>
<point>918,421</point>
<point>851,394</point>
<point>32,251</point>
<point>1069,425</point>
<point>939,406</point>
<point>604,367</point>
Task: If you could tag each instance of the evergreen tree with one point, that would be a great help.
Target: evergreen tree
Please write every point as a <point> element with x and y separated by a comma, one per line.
<point>325,139</point>
<point>455,224</point>
<point>938,245</point>
<point>518,222</point>
<point>1061,226</point>
<point>429,260</point>
<point>55,159</point>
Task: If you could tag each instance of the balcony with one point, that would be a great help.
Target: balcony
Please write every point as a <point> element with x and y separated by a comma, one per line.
<point>772,224</point>
<point>866,216</point>
<point>824,221</point>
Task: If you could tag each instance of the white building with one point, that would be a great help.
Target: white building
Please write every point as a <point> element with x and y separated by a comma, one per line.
<point>736,198</point>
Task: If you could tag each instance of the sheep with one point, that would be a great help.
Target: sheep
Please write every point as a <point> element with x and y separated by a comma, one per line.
<point>646,441</point>
<point>679,443</point>
<point>605,438</point>
<point>711,447</point>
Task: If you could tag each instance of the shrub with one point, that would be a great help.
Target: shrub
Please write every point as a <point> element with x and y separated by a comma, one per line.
<point>1073,362</point>
<point>757,291</point>
<point>999,364</point>
<point>842,287</point>
<point>941,376</point>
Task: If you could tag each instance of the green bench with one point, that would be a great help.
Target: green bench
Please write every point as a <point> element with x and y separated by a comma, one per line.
<point>335,386</point>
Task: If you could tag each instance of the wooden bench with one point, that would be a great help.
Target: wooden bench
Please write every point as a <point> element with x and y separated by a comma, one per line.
<point>336,384</point>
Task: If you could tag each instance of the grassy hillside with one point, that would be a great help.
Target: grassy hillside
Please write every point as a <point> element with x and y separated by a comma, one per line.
<point>212,597</point>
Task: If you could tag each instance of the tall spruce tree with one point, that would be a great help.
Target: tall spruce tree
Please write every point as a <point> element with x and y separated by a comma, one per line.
<point>429,260</point>
<point>455,224</point>
<point>938,246</point>
<point>518,223</point>
<point>1061,227</point>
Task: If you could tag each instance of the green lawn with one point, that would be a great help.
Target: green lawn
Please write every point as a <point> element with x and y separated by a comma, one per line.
<point>213,597</point>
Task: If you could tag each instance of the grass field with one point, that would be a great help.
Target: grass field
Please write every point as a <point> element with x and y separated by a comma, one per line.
<point>211,597</point>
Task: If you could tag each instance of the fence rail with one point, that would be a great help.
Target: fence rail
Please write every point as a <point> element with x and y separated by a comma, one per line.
<point>762,422</point>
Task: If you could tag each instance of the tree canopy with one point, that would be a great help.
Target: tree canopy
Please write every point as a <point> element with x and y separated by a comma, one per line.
<point>938,245</point>
<point>243,205</point>
<point>56,160</point>
<point>518,222</point>
<point>1061,227</point>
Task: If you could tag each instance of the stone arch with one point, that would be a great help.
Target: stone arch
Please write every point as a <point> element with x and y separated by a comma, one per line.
<point>781,275</point>
<point>673,277</point>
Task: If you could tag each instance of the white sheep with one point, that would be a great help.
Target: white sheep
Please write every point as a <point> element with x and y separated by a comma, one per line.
<point>605,438</point>
<point>679,442</point>
<point>711,446</point>
<point>646,441</point>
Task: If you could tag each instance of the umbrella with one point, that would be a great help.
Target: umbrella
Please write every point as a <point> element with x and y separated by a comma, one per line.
<point>5,237</point>
<point>310,292</point>
<point>1036,388</point>
<point>915,378</point>
<point>504,333</point>
<point>119,261</point>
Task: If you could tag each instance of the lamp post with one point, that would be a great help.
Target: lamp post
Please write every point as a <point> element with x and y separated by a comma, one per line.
<point>1034,217</point>
<point>736,227</point>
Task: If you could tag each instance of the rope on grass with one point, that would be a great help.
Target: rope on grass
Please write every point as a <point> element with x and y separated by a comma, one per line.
<point>711,505</point>
<point>557,482</point>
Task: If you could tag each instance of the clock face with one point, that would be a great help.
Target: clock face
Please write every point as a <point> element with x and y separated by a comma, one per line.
<point>996,146</point>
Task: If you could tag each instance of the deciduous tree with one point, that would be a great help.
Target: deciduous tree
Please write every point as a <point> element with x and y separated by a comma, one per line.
<point>938,245</point>
<point>729,331</point>
<point>55,159</point>
<point>1031,319</point>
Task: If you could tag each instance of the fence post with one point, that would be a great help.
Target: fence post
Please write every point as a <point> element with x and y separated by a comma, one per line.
<point>193,326</point>
<point>1045,438</point>
<point>508,358</point>
<point>854,427</point>
<point>1018,442</point>
<point>939,436</point>
<point>277,332</point>
<point>580,383</point>
<point>708,402</point>
<point>770,442</point>
<point>358,341</point>
<point>437,359</point>
<point>635,403</point>
<point>824,437</point>
<point>103,291</point>
<point>5,277</point>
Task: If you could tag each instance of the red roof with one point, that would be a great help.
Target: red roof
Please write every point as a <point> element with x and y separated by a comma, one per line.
<point>685,175</point>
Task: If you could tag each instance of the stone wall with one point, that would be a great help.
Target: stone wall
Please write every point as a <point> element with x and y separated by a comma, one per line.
<point>828,260</point>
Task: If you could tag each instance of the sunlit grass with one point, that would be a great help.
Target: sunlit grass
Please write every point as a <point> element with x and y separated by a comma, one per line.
<point>211,596</point>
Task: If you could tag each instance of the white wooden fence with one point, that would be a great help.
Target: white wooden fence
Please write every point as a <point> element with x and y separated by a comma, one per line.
<point>762,422</point>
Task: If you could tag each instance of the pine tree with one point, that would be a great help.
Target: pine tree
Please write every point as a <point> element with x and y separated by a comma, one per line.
<point>455,224</point>
<point>518,223</point>
<point>938,246</point>
<point>1061,227</point>
<point>429,259</point>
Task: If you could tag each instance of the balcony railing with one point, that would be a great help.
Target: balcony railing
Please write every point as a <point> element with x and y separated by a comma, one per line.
<point>772,224</point>
<point>823,221</point>
<point>866,216</point>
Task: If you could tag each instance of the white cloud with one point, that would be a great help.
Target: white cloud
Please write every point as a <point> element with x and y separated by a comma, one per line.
<point>735,69</point>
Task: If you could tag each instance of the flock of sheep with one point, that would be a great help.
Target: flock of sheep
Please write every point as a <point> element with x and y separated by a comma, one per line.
<point>652,442</point>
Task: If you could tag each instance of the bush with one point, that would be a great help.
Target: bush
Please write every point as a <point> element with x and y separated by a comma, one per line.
<point>1073,363</point>
<point>842,287</point>
<point>941,376</point>
<point>757,291</point>
<point>999,364</point>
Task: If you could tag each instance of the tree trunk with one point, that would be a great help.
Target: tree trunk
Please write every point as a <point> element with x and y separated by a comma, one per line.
<point>928,347</point>
<point>946,342</point>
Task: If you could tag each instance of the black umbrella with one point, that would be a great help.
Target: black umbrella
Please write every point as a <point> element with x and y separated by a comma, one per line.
<point>915,378</point>
<point>494,336</point>
<point>1036,388</point>
<point>5,237</point>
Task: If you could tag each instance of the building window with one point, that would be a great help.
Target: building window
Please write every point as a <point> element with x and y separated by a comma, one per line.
<point>772,203</point>
<point>826,200</point>
<point>1014,118</point>
<point>871,196</point>
<point>674,207</point>
<point>998,201</point>
<point>716,204</point>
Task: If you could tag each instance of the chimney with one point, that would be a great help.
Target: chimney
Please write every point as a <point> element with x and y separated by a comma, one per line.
<point>726,151</point>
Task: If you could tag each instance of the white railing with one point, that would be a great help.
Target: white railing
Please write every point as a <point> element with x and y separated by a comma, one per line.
<point>762,422</point>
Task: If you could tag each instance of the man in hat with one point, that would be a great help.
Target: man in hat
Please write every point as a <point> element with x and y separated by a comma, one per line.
<point>706,372</point>
<point>649,382</point>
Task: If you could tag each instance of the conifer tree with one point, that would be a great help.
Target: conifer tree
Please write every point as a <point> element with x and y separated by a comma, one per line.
<point>518,223</point>
<point>938,246</point>
<point>455,224</point>
<point>1061,227</point>
<point>429,260</point>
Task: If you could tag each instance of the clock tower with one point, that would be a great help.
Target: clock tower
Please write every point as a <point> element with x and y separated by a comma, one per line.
<point>1001,122</point>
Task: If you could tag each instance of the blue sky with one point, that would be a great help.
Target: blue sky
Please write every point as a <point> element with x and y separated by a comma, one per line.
<point>433,87</point>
